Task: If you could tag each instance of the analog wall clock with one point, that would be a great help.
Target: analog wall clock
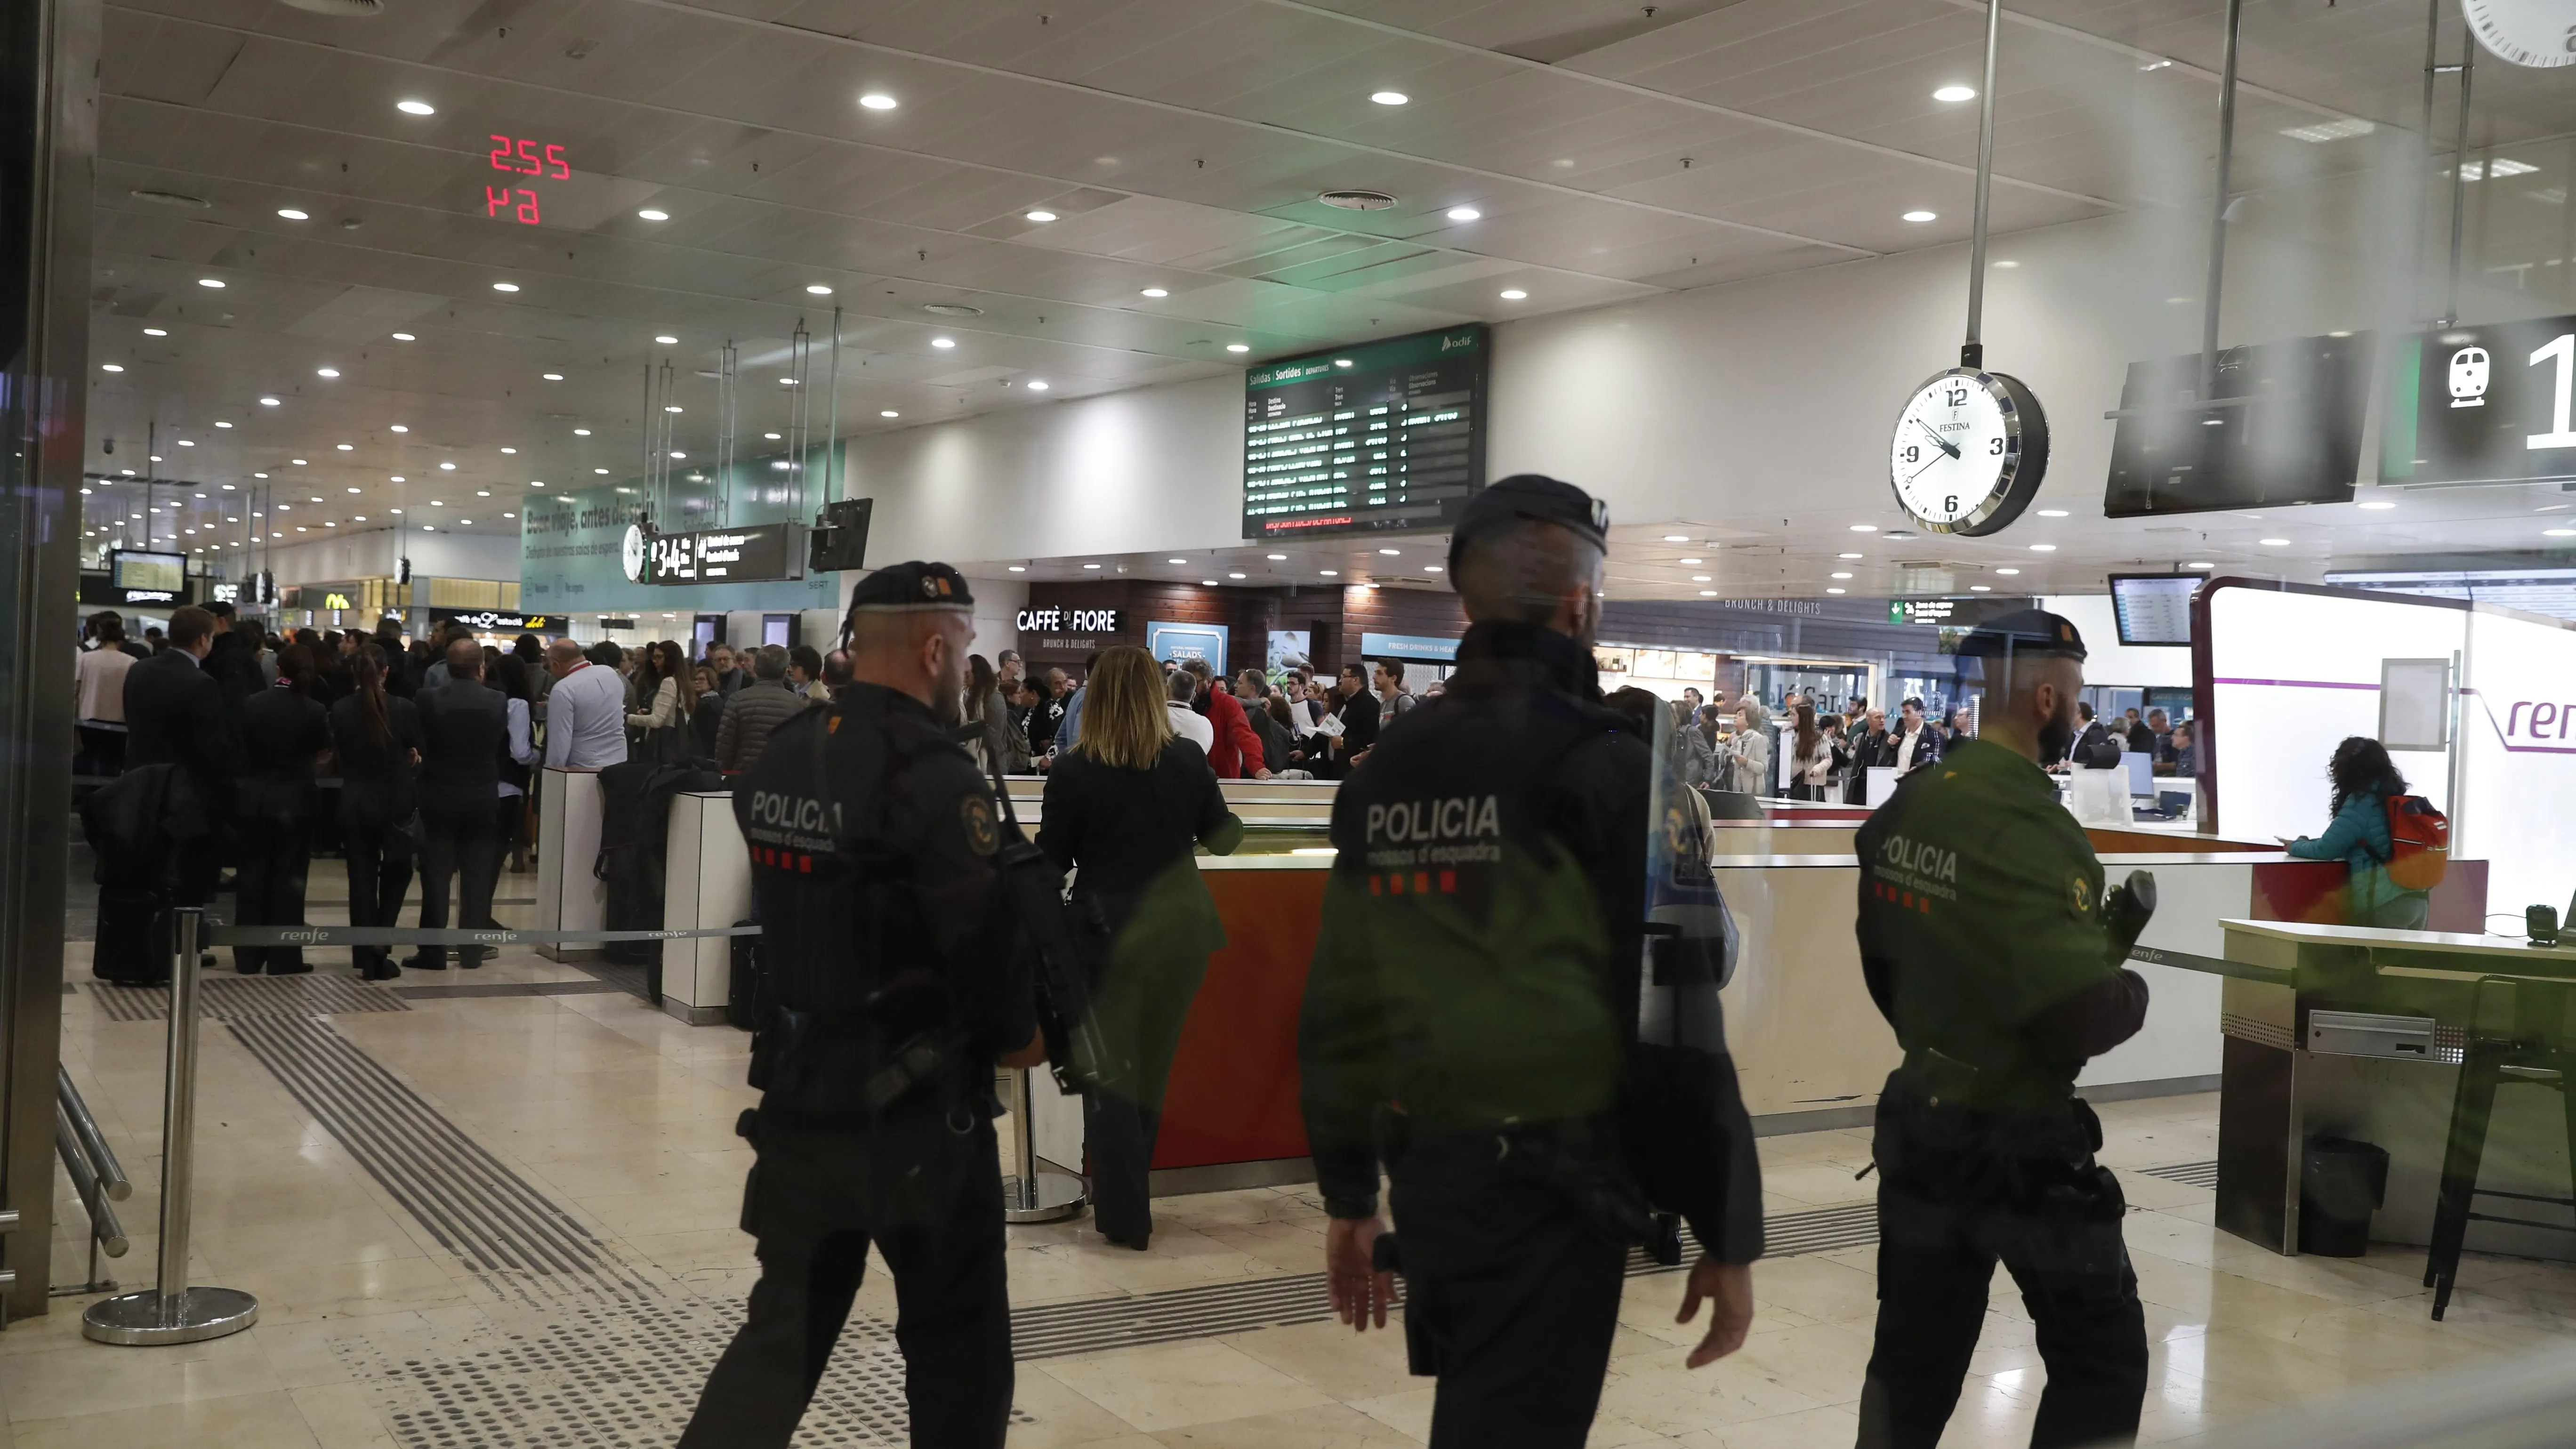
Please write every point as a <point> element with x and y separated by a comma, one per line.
<point>2538,33</point>
<point>1969,451</point>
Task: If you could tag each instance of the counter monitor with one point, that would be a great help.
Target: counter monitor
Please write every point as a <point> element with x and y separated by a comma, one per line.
<point>1383,436</point>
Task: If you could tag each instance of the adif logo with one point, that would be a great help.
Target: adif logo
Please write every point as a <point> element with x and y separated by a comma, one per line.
<point>1455,818</point>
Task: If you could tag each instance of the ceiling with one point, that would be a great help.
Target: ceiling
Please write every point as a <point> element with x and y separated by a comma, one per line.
<point>1610,152</point>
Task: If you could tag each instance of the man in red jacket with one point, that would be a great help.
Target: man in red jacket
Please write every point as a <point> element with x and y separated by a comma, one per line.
<point>1237,746</point>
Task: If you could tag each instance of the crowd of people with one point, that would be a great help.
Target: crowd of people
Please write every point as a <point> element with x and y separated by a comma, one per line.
<point>408,757</point>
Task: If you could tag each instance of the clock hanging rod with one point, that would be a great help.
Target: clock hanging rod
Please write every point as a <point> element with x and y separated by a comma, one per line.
<point>1972,353</point>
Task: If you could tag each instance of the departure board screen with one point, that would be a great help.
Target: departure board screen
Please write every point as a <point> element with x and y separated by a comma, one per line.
<point>1379,437</point>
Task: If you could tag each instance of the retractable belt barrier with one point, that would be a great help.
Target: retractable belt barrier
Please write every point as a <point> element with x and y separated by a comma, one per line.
<point>400,936</point>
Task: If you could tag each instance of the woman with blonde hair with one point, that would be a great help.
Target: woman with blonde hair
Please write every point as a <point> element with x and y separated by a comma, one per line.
<point>1124,809</point>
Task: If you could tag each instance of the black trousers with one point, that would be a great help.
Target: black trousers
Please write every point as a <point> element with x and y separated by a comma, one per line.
<point>458,844</point>
<point>1937,1250</point>
<point>379,862</point>
<point>1511,1300</point>
<point>805,1203</point>
<point>272,854</point>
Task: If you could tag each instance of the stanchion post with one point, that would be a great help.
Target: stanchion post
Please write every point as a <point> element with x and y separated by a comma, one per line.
<point>1028,1195</point>
<point>173,1312</point>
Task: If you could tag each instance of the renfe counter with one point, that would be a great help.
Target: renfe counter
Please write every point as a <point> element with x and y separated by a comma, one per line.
<point>1811,1050</point>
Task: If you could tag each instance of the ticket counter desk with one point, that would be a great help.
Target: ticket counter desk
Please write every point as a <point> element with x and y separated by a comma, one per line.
<point>2355,1033</point>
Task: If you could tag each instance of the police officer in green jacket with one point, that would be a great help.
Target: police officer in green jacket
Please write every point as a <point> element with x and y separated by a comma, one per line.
<point>1989,946</point>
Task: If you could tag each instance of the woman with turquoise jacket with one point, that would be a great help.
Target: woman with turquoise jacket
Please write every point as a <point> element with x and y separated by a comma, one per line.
<point>2364,777</point>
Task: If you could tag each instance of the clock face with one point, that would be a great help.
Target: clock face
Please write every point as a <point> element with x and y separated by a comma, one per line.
<point>2538,33</point>
<point>1963,459</point>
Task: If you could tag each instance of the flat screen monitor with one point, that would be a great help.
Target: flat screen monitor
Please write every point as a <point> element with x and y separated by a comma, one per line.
<point>2282,425</point>
<point>2154,608</point>
<point>1381,436</point>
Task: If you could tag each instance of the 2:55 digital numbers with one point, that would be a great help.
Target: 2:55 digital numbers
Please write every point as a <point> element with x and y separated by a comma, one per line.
<point>522,156</point>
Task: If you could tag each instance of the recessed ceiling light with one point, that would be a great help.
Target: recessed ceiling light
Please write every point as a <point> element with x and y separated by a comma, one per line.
<point>943,342</point>
<point>1154,292</point>
<point>1864,528</point>
<point>215,282</point>
<point>1238,347</point>
<point>111,367</point>
<point>505,286</point>
<point>1276,557</point>
<point>1389,98</point>
<point>155,332</point>
<point>818,289</point>
<point>1920,215</point>
<point>2273,542</point>
<point>405,337</point>
<point>877,102</point>
<point>2043,548</point>
<point>291,214</point>
<point>1841,575</point>
<point>1465,213</point>
<point>2007,571</point>
<point>1514,294</point>
<point>326,372</point>
<point>881,412</point>
<point>1037,384</point>
<point>416,108</point>
<point>1955,94</point>
<point>1041,216</point>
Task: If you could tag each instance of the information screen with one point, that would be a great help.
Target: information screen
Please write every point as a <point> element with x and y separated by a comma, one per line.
<point>1384,436</point>
<point>2489,403</point>
<point>2154,608</point>
<point>2286,428</point>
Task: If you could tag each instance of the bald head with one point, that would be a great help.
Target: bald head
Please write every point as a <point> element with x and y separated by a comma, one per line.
<point>1531,572</point>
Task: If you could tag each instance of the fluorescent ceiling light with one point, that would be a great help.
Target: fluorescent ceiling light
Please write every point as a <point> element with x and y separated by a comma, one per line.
<point>876,102</point>
<point>1465,213</point>
<point>416,108</point>
<point>1955,94</point>
<point>1389,98</point>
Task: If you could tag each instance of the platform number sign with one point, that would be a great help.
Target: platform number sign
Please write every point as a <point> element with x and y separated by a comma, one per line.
<point>522,156</point>
<point>2490,403</point>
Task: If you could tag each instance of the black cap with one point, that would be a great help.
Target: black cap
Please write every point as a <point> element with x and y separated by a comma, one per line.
<point>908,587</point>
<point>1532,495</point>
<point>2024,631</point>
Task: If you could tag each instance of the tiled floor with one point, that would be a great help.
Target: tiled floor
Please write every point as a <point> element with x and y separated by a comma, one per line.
<point>381,1328</point>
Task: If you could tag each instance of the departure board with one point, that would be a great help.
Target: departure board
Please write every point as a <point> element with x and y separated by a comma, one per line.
<point>1380,437</point>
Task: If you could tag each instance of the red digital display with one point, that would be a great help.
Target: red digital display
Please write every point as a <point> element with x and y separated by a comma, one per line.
<point>522,156</point>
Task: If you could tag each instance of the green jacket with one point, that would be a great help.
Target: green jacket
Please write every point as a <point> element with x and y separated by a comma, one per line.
<point>1981,926</point>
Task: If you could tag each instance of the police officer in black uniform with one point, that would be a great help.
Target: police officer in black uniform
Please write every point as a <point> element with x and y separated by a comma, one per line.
<point>1473,1015</point>
<point>1988,943</point>
<point>896,986</point>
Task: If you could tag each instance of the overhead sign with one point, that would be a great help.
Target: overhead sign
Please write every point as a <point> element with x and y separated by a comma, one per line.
<point>1386,435</point>
<point>493,620</point>
<point>2495,402</point>
<point>758,553</point>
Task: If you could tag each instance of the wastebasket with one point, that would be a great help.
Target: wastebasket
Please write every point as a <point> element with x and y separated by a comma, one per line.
<point>2341,1183</point>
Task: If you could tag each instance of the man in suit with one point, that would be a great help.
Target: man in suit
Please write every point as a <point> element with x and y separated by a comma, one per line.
<point>176,714</point>
<point>462,725</point>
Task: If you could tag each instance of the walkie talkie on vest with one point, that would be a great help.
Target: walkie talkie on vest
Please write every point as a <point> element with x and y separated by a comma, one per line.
<point>1068,943</point>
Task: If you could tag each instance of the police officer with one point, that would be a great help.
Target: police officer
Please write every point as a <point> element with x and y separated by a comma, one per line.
<point>1479,964</point>
<point>895,989</point>
<point>1988,945</point>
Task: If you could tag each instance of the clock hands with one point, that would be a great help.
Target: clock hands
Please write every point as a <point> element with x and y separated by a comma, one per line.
<point>1946,445</point>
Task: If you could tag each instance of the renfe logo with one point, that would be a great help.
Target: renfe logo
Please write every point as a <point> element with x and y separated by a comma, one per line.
<point>2544,716</point>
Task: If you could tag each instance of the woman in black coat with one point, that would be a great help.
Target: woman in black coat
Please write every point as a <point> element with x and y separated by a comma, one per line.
<point>283,737</point>
<point>377,737</point>
<point>1123,810</point>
